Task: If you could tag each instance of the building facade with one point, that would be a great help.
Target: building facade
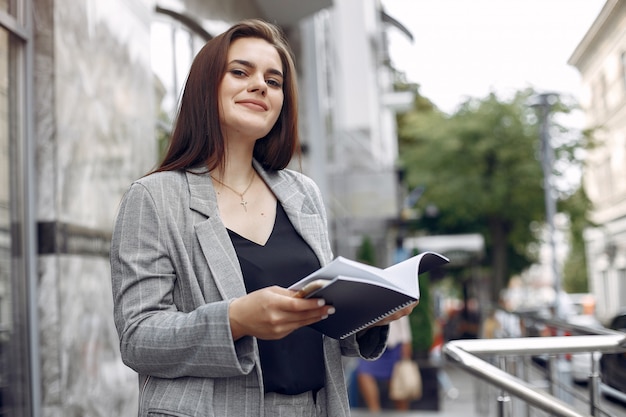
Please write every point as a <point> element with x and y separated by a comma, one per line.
<point>86,89</point>
<point>351,131</point>
<point>601,60</point>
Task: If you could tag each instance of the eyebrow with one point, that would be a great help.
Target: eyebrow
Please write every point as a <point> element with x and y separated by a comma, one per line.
<point>253,65</point>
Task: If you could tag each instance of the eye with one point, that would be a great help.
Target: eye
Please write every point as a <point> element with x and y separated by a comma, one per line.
<point>274,83</point>
<point>237,72</point>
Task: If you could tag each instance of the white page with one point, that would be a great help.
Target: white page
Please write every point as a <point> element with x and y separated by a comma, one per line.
<point>341,266</point>
<point>405,275</point>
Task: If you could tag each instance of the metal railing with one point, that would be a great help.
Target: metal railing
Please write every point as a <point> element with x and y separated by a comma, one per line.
<point>471,356</point>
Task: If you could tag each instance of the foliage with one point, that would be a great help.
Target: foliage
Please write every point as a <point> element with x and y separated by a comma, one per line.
<point>366,252</point>
<point>480,168</point>
<point>575,267</point>
<point>422,318</point>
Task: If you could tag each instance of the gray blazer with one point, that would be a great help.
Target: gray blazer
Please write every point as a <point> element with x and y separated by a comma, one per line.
<point>174,271</point>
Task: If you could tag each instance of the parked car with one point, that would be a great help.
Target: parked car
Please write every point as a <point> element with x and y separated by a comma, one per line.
<point>613,365</point>
<point>580,363</point>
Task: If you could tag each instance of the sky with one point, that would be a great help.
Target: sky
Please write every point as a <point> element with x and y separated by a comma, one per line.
<point>469,48</point>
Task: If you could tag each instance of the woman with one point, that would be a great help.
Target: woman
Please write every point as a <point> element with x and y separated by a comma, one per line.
<point>205,246</point>
<point>370,373</point>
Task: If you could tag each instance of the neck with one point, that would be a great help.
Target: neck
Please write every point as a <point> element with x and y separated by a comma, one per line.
<point>237,167</point>
<point>236,179</point>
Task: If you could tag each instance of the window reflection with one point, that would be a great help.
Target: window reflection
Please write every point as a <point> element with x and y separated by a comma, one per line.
<point>172,53</point>
<point>173,49</point>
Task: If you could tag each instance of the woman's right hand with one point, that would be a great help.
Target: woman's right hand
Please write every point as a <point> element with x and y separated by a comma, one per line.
<point>273,312</point>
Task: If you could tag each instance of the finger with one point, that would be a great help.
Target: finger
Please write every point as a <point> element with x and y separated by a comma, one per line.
<point>304,304</point>
<point>297,303</point>
<point>296,310</point>
<point>306,317</point>
<point>296,321</point>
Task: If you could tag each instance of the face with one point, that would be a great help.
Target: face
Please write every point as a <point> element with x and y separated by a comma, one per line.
<point>251,91</point>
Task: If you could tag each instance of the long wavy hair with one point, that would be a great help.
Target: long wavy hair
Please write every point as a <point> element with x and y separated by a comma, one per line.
<point>197,139</point>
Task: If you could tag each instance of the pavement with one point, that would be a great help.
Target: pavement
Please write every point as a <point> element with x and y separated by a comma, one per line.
<point>474,397</point>
<point>461,401</point>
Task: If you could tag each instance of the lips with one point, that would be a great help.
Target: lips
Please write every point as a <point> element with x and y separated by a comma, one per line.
<point>254,104</point>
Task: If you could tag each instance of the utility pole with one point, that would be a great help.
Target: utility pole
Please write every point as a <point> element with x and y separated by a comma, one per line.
<point>544,105</point>
<point>559,371</point>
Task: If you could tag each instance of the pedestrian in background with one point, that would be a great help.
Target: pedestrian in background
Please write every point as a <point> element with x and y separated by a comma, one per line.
<point>371,374</point>
<point>205,245</point>
<point>491,327</point>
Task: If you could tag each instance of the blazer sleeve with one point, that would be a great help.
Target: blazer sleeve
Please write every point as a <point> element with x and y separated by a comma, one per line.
<point>367,344</point>
<point>155,337</point>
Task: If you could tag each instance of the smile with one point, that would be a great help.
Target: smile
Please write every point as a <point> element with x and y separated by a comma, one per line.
<point>254,104</point>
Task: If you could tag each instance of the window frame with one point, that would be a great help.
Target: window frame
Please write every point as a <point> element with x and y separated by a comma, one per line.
<point>17,22</point>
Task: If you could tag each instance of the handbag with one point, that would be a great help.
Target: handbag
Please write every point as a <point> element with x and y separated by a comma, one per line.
<point>406,381</point>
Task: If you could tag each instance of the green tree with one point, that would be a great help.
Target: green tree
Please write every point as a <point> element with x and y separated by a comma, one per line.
<point>422,319</point>
<point>480,167</point>
<point>575,267</point>
<point>366,252</point>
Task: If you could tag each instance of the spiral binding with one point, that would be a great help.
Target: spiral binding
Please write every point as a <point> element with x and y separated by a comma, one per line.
<point>369,323</point>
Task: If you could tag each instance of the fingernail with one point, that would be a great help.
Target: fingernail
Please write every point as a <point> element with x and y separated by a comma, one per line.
<point>325,317</point>
<point>331,310</point>
<point>321,302</point>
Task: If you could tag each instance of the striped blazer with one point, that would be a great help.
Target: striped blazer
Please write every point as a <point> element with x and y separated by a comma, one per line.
<point>174,271</point>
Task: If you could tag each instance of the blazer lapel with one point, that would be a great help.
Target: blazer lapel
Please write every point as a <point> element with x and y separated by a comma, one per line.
<point>215,242</point>
<point>306,221</point>
<point>216,245</point>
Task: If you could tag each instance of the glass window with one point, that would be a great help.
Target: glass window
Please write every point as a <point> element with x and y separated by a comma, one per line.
<point>174,46</point>
<point>172,53</point>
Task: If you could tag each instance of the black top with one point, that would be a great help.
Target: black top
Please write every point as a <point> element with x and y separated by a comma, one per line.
<point>294,364</point>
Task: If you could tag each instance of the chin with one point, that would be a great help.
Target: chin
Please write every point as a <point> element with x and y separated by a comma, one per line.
<point>256,131</point>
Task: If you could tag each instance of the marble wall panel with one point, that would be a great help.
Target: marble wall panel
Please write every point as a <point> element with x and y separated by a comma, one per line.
<point>50,332</point>
<point>104,105</point>
<point>82,372</point>
<point>45,145</point>
<point>94,99</point>
<point>94,380</point>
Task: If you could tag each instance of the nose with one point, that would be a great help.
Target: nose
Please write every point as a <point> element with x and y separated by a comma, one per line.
<point>257,84</point>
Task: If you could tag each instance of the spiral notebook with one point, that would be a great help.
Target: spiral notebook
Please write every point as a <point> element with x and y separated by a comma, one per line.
<point>363,294</point>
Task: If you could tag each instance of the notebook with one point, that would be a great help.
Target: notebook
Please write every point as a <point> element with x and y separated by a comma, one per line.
<point>363,294</point>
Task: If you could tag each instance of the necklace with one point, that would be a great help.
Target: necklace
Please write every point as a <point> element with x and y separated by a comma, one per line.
<point>243,202</point>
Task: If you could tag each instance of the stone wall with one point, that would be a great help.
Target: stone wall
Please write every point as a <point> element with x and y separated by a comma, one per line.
<point>94,129</point>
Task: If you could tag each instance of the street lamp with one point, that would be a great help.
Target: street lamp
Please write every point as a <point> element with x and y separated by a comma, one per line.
<point>543,104</point>
<point>558,369</point>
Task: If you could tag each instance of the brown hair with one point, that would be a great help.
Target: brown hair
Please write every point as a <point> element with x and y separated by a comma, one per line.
<point>197,139</point>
